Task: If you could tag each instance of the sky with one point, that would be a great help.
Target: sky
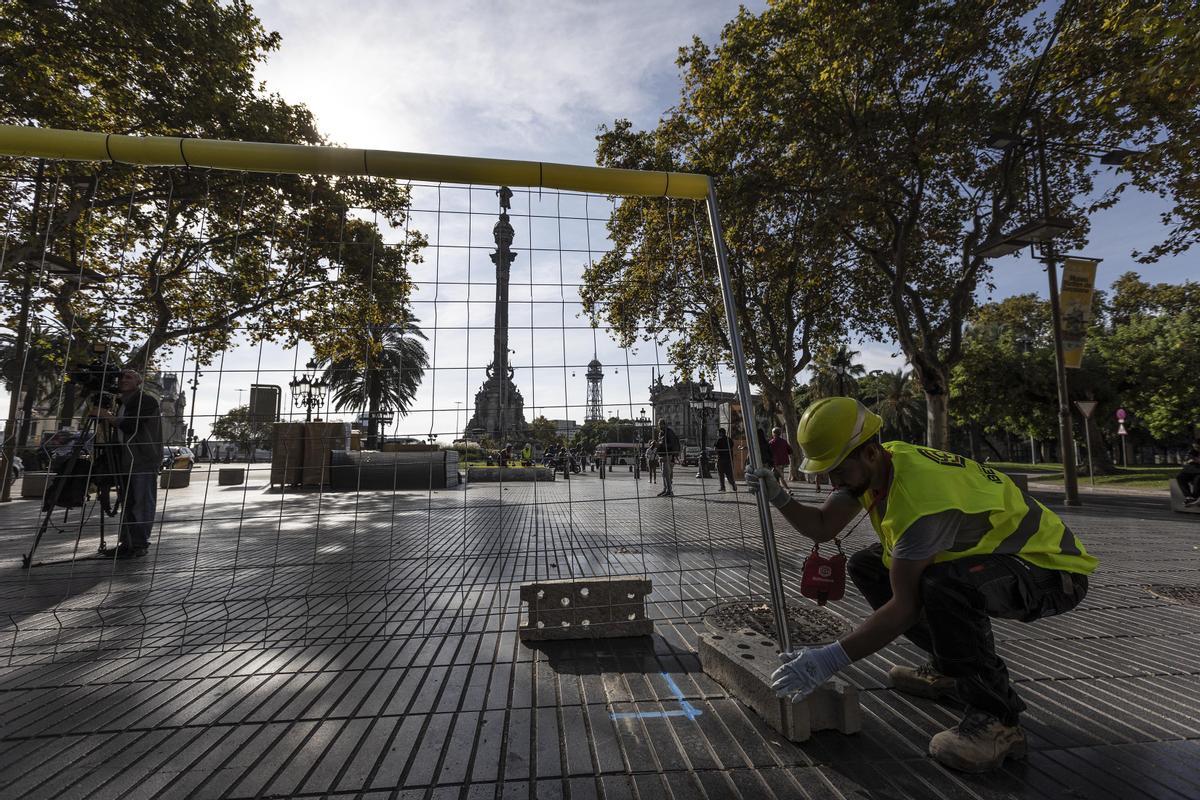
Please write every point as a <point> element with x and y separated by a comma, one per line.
<point>528,81</point>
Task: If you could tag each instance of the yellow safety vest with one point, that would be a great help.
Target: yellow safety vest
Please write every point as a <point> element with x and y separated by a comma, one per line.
<point>927,481</point>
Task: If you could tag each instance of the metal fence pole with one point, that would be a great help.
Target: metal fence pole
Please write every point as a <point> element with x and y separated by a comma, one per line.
<point>743,386</point>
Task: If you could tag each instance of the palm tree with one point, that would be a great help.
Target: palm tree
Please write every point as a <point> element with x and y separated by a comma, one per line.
<point>897,402</point>
<point>383,380</point>
<point>835,374</point>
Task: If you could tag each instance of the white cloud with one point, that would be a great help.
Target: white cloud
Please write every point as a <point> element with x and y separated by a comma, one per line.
<point>530,80</point>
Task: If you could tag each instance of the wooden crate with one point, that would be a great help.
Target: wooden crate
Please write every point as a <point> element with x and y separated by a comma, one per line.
<point>287,453</point>
<point>320,439</point>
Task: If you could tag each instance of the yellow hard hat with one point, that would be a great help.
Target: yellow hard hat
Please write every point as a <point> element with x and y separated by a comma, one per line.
<point>831,428</point>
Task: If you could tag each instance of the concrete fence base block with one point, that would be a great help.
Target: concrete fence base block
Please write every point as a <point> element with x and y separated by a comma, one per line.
<point>35,484</point>
<point>231,476</point>
<point>174,478</point>
<point>508,474</point>
<point>585,608</point>
<point>742,662</point>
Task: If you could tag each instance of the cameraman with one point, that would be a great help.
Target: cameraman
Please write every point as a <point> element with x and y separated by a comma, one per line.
<point>138,426</point>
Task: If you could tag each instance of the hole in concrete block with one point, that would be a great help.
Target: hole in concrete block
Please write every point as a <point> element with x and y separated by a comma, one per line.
<point>743,647</point>
<point>767,644</point>
<point>566,624</point>
<point>541,594</point>
<point>566,601</point>
<point>541,624</point>
<point>629,596</point>
<point>583,592</point>
<point>585,623</point>
<point>748,655</point>
<point>632,617</point>
<point>718,638</point>
<point>749,633</point>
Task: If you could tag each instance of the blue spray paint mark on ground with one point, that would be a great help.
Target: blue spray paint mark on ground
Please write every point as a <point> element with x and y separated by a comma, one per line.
<point>686,709</point>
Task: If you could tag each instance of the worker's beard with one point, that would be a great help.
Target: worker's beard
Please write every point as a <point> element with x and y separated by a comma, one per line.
<point>857,489</point>
<point>860,486</point>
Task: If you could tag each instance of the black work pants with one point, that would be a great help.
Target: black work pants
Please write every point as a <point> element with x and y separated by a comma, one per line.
<point>1189,480</point>
<point>725,472</point>
<point>958,600</point>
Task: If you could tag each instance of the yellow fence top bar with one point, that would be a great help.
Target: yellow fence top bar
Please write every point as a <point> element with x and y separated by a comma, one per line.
<point>22,141</point>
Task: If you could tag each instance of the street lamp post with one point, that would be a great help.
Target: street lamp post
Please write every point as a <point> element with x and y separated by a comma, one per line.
<point>703,402</point>
<point>1066,437</point>
<point>642,420</point>
<point>1042,232</point>
<point>377,425</point>
<point>308,392</point>
<point>194,383</point>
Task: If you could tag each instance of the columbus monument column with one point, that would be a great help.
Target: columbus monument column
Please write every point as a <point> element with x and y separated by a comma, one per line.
<point>499,407</point>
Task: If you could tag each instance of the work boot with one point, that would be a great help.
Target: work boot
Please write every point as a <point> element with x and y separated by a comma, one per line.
<point>979,743</point>
<point>923,681</point>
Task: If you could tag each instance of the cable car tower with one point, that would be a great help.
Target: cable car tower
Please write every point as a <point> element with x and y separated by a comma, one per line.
<point>595,392</point>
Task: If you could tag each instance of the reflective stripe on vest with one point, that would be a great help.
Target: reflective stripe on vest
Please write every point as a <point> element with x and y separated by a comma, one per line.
<point>927,481</point>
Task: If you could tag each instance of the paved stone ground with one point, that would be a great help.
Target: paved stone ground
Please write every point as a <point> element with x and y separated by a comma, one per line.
<point>345,645</point>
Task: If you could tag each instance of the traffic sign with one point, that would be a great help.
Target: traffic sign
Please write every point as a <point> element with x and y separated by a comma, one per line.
<point>1086,407</point>
<point>1120,415</point>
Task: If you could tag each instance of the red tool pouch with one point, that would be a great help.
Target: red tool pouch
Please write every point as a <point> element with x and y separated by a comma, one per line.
<point>824,579</point>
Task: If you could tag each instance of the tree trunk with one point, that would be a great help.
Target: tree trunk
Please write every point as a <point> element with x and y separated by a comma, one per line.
<point>791,420</point>
<point>937,420</point>
<point>26,418</point>
<point>373,403</point>
<point>66,414</point>
<point>1102,461</point>
<point>935,382</point>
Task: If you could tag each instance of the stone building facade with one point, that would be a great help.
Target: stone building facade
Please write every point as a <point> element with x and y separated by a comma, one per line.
<point>672,402</point>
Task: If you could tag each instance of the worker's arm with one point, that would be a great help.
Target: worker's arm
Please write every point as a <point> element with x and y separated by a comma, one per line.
<point>819,523</point>
<point>822,523</point>
<point>888,622</point>
<point>807,668</point>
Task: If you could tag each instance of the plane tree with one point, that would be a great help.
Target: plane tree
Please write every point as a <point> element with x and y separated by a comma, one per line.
<point>177,256</point>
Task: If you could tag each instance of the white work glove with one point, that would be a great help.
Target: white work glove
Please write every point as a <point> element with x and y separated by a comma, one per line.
<point>774,492</point>
<point>806,669</point>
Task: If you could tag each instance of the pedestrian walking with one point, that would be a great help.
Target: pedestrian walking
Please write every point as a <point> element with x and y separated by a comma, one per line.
<point>666,443</point>
<point>781,455</point>
<point>724,448</point>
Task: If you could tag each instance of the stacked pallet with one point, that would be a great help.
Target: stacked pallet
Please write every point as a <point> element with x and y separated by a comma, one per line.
<point>301,452</point>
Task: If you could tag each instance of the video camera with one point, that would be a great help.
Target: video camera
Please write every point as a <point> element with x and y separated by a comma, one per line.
<point>98,380</point>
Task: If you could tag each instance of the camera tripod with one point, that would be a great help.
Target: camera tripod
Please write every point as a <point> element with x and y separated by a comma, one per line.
<point>100,470</point>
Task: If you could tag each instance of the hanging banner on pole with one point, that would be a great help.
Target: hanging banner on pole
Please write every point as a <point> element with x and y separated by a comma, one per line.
<point>1075,297</point>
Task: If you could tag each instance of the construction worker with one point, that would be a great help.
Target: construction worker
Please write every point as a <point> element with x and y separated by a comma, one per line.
<point>959,543</point>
